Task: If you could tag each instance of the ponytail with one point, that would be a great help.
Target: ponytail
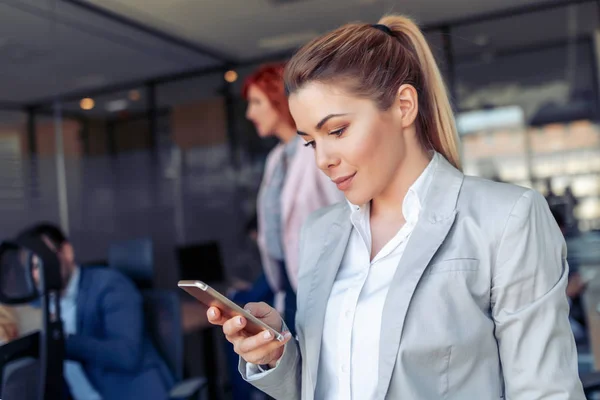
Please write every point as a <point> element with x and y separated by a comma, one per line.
<point>442,134</point>
<point>373,61</point>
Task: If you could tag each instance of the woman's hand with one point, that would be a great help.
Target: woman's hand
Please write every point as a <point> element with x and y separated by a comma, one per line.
<point>259,349</point>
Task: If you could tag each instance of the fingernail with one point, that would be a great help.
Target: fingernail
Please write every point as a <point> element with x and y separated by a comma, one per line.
<point>212,313</point>
<point>239,321</point>
<point>287,335</point>
<point>267,335</point>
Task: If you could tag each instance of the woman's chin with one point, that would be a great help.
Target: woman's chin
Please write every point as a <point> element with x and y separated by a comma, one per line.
<point>356,198</point>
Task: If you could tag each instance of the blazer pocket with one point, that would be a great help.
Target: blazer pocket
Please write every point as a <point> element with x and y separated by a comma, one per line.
<point>456,264</point>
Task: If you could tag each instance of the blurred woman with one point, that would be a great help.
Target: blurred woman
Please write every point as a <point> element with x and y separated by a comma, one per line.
<point>427,284</point>
<point>291,189</point>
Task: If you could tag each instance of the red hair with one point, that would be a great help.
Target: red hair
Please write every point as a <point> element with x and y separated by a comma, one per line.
<point>269,79</point>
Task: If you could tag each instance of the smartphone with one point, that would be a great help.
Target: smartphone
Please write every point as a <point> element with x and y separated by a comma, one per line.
<point>212,298</point>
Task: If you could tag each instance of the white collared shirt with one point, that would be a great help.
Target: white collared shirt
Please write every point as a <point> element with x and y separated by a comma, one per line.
<point>349,360</point>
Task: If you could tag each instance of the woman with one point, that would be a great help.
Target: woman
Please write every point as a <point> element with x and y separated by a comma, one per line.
<point>429,284</point>
<point>291,189</point>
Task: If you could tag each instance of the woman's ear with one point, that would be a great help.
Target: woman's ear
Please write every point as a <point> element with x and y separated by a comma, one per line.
<point>407,103</point>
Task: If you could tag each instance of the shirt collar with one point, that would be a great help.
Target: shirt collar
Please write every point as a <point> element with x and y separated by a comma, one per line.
<point>415,197</point>
<point>73,285</point>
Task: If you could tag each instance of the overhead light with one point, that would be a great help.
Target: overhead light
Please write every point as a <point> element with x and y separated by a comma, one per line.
<point>231,76</point>
<point>87,104</point>
<point>116,105</point>
<point>134,95</point>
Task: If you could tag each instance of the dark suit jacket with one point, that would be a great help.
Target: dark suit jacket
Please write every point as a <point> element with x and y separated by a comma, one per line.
<point>111,342</point>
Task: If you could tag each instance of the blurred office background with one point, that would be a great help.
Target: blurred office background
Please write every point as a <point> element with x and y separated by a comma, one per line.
<point>123,119</point>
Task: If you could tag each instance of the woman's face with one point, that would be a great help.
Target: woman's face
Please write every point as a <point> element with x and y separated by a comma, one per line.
<point>261,113</point>
<point>359,147</point>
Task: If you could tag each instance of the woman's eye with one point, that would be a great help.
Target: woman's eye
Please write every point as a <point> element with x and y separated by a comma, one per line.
<point>310,144</point>
<point>338,132</point>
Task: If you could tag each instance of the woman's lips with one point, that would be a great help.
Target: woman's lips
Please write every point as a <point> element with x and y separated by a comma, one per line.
<point>344,182</point>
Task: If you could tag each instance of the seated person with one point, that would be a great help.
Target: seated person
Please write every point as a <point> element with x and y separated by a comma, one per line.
<point>109,355</point>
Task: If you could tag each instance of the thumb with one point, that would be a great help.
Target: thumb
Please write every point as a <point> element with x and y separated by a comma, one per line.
<point>259,310</point>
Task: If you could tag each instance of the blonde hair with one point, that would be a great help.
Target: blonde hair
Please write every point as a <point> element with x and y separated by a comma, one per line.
<point>373,63</point>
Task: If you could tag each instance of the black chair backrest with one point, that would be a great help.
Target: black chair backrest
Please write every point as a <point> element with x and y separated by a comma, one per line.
<point>162,310</point>
<point>134,258</point>
<point>21,379</point>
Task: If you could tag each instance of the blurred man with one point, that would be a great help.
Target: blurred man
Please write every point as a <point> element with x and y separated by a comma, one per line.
<point>109,354</point>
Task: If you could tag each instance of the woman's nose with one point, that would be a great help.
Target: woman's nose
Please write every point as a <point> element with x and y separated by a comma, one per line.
<point>325,157</point>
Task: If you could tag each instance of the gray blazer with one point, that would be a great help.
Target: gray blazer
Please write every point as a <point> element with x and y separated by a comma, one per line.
<point>481,314</point>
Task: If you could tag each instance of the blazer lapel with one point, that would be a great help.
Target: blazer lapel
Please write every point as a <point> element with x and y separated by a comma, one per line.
<point>436,219</point>
<point>325,270</point>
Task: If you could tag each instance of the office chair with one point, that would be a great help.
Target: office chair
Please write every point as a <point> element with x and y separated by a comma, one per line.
<point>162,311</point>
<point>163,318</point>
<point>135,259</point>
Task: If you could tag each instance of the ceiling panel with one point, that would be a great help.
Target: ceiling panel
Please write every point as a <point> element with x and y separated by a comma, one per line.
<point>525,31</point>
<point>46,51</point>
<point>248,28</point>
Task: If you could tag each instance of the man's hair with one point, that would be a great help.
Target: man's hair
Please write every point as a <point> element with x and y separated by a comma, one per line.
<point>48,230</point>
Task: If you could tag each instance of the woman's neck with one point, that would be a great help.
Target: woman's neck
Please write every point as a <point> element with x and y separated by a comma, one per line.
<point>389,202</point>
<point>286,133</point>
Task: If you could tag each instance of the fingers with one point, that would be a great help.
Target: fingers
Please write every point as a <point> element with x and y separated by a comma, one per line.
<point>233,326</point>
<point>215,316</point>
<point>260,350</point>
<point>263,341</point>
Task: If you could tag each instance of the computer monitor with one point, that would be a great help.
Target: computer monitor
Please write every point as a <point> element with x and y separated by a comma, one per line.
<point>201,261</point>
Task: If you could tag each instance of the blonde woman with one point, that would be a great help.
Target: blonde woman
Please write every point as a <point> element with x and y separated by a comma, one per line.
<point>426,283</point>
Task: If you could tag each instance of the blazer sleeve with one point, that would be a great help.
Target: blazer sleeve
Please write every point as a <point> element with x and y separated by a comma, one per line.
<point>282,382</point>
<point>121,348</point>
<point>530,308</point>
